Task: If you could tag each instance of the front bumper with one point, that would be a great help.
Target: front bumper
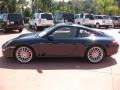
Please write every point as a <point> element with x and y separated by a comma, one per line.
<point>14,26</point>
<point>8,52</point>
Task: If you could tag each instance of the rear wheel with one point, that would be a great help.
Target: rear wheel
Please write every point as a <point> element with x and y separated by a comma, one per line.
<point>24,54</point>
<point>79,23</point>
<point>20,30</point>
<point>95,54</point>
<point>36,27</point>
<point>30,26</point>
<point>97,25</point>
<point>5,30</point>
<point>113,26</point>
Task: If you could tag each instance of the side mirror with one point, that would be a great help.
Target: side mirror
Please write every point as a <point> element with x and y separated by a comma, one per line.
<point>50,37</point>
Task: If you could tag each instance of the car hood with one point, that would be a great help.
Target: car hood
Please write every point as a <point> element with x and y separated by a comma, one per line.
<point>27,36</point>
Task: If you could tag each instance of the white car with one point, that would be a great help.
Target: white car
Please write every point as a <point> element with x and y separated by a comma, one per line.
<point>85,19</point>
<point>40,20</point>
<point>103,21</point>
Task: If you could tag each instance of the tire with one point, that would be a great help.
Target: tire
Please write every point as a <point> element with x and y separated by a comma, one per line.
<point>24,54</point>
<point>95,54</point>
<point>5,30</point>
<point>20,30</point>
<point>113,26</point>
<point>79,23</point>
<point>36,27</point>
<point>107,27</point>
<point>30,26</point>
<point>97,25</point>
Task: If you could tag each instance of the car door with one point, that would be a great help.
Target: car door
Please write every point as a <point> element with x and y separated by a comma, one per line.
<point>83,40</point>
<point>61,42</point>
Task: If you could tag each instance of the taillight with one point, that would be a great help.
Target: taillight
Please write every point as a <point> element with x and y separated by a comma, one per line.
<point>114,42</point>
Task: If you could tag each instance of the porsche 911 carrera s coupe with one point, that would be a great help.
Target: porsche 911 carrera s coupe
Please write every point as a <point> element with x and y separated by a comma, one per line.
<point>62,40</point>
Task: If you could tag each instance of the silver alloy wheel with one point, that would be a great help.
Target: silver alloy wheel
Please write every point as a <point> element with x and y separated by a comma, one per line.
<point>95,54</point>
<point>24,54</point>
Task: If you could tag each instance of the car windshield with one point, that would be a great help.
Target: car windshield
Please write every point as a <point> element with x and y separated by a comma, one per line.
<point>98,17</point>
<point>14,17</point>
<point>47,16</point>
<point>115,18</point>
<point>91,17</point>
<point>106,17</point>
<point>47,30</point>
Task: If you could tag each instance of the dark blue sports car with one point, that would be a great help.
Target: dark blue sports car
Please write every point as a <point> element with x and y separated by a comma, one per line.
<point>66,40</point>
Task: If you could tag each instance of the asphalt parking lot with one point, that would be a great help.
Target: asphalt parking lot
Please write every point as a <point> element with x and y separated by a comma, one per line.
<point>59,73</point>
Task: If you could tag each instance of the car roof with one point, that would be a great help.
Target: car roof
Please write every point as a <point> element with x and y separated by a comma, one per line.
<point>71,24</point>
<point>42,13</point>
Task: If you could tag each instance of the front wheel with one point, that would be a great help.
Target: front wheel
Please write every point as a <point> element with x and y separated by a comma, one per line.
<point>95,54</point>
<point>24,54</point>
<point>20,30</point>
<point>5,30</point>
<point>98,25</point>
<point>36,27</point>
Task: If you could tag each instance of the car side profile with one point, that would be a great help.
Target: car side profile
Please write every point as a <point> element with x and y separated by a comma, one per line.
<point>103,21</point>
<point>63,18</point>
<point>85,19</point>
<point>62,40</point>
<point>116,21</point>
<point>41,20</point>
<point>11,21</point>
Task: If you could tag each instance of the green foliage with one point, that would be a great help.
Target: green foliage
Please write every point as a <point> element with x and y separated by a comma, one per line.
<point>111,7</point>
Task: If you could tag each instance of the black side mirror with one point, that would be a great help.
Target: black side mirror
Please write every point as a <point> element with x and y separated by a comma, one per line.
<point>50,37</point>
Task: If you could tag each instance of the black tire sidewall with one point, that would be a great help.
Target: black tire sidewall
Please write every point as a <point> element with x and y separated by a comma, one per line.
<point>33,55</point>
<point>86,55</point>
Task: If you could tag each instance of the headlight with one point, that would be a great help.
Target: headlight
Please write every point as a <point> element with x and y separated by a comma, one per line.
<point>7,43</point>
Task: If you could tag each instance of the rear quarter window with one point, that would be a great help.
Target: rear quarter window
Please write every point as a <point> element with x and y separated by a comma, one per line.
<point>14,17</point>
<point>91,17</point>
<point>47,16</point>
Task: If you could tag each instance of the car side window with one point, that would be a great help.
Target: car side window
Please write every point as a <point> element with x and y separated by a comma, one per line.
<point>81,16</point>
<point>85,33</point>
<point>65,32</point>
<point>4,17</point>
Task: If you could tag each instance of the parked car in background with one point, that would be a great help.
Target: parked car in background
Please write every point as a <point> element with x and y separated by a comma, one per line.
<point>63,17</point>
<point>103,21</point>
<point>85,19</point>
<point>62,40</point>
<point>116,21</point>
<point>77,18</point>
<point>11,21</point>
<point>41,20</point>
<point>118,17</point>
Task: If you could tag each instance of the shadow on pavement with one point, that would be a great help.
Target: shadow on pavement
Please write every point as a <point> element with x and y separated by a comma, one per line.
<point>10,32</point>
<point>56,64</point>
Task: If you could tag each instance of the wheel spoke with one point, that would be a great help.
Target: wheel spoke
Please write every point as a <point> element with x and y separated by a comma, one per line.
<point>95,54</point>
<point>24,54</point>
